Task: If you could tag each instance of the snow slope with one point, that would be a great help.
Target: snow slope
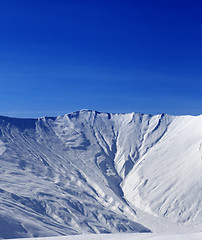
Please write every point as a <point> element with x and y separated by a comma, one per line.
<point>91,172</point>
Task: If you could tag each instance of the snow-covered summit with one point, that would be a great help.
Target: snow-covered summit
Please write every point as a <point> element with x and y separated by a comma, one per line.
<point>99,172</point>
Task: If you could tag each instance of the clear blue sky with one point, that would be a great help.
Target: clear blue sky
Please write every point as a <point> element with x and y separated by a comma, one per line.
<point>59,56</point>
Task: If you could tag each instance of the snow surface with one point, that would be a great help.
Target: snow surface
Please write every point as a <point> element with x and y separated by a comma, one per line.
<point>2,148</point>
<point>125,236</point>
<point>91,172</point>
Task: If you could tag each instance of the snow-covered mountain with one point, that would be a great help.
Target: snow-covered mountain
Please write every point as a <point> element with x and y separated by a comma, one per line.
<point>91,172</point>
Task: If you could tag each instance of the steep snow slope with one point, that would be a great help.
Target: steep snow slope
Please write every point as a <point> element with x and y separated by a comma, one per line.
<point>167,180</point>
<point>100,173</point>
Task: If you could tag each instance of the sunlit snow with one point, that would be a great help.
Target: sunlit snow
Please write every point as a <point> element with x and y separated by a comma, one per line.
<point>127,236</point>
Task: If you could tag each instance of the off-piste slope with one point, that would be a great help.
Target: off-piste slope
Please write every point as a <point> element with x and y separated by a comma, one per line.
<point>99,173</point>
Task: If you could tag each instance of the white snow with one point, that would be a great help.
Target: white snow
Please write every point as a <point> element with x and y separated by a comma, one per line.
<point>2,148</point>
<point>125,236</point>
<point>91,172</point>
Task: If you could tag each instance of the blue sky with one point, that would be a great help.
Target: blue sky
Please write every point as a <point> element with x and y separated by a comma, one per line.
<point>113,56</point>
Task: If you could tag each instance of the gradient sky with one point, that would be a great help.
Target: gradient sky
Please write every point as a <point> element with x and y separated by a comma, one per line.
<point>59,56</point>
